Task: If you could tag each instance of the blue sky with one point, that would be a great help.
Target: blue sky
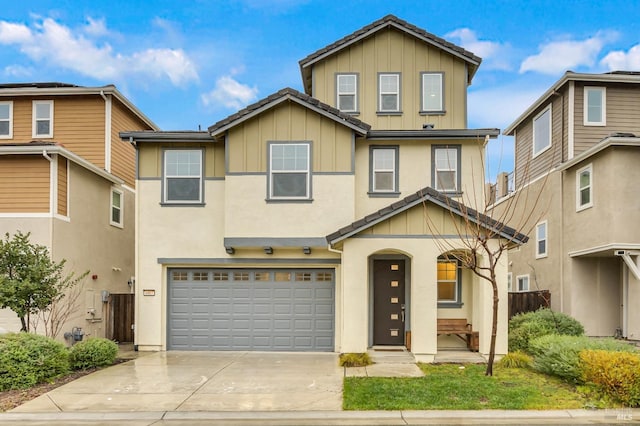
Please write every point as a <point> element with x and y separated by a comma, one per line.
<point>190,63</point>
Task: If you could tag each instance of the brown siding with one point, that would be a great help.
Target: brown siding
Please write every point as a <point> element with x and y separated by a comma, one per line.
<point>62,186</point>
<point>24,184</point>
<point>123,155</point>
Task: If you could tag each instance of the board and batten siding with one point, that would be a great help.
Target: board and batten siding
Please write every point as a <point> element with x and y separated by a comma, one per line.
<point>150,158</point>
<point>396,52</point>
<point>331,141</point>
<point>62,186</point>
<point>123,154</point>
<point>24,184</point>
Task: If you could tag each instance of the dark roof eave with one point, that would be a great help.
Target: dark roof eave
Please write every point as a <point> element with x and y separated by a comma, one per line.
<point>168,136</point>
<point>432,134</point>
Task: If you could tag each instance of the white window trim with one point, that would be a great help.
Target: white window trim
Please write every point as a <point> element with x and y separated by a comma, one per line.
<point>10,135</point>
<point>457,301</point>
<point>423,87</point>
<point>165,191</point>
<point>394,170</point>
<point>518,277</point>
<point>380,92</point>
<point>458,176</point>
<point>354,93</point>
<point>111,206</point>
<point>540,255</point>
<point>533,131</point>
<point>579,206</point>
<point>585,114</point>
<point>34,130</point>
<point>271,172</point>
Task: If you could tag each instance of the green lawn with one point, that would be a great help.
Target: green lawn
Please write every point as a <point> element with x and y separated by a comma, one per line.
<point>450,387</point>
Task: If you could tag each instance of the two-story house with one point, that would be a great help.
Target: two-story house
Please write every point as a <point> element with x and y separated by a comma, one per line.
<point>68,179</point>
<point>321,221</point>
<point>573,148</point>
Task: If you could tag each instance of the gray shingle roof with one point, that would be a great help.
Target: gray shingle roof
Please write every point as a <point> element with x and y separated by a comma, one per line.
<point>431,195</point>
<point>292,94</point>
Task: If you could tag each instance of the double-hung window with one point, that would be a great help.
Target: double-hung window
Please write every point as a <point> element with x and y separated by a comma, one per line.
<point>542,131</point>
<point>347,92</point>
<point>584,185</point>
<point>384,169</point>
<point>523,282</point>
<point>289,171</point>
<point>446,168</point>
<point>389,93</point>
<point>183,176</point>
<point>432,92</point>
<point>541,239</point>
<point>42,119</point>
<point>117,210</point>
<point>449,283</point>
<point>6,120</point>
<point>595,106</point>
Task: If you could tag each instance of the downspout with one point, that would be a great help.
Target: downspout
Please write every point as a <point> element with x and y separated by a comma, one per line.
<point>52,194</point>
<point>332,250</point>
<point>107,131</point>
<point>633,267</point>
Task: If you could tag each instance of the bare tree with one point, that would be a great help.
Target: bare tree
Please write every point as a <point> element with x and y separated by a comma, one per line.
<point>59,311</point>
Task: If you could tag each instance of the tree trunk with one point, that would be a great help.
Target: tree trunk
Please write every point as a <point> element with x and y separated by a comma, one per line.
<point>23,321</point>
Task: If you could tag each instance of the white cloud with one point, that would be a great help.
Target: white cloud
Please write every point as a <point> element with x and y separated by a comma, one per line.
<point>494,55</point>
<point>56,45</point>
<point>619,60</point>
<point>96,27</point>
<point>558,56</point>
<point>500,106</point>
<point>18,71</point>
<point>230,93</point>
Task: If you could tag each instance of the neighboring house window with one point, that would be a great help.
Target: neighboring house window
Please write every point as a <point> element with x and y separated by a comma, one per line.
<point>42,119</point>
<point>117,210</point>
<point>523,282</point>
<point>510,281</point>
<point>446,168</point>
<point>384,169</point>
<point>584,185</point>
<point>289,171</point>
<point>183,176</point>
<point>432,92</point>
<point>449,283</point>
<point>6,120</point>
<point>595,106</point>
<point>347,92</point>
<point>541,239</point>
<point>542,131</point>
<point>389,93</point>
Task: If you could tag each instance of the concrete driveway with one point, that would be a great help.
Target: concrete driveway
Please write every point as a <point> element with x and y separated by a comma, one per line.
<point>203,381</point>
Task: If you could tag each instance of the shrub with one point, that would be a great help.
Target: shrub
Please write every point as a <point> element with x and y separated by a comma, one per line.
<point>355,360</point>
<point>28,359</point>
<point>613,374</point>
<point>560,355</point>
<point>95,352</point>
<point>515,359</point>
<point>527,326</point>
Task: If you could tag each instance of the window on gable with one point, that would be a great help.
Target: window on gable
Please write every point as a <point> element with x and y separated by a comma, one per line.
<point>542,131</point>
<point>523,282</point>
<point>6,120</point>
<point>183,176</point>
<point>584,184</point>
<point>347,92</point>
<point>449,282</point>
<point>389,93</point>
<point>384,173</point>
<point>432,91</point>
<point>117,204</point>
<point>289,171</point>
<point>595,106</point>
<point>446,168</point>
<point>541,239</point>
<point>42,119</point>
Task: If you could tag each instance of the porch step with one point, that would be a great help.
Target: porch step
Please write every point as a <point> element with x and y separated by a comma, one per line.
<point>459,357</point>
<point>391,355</point>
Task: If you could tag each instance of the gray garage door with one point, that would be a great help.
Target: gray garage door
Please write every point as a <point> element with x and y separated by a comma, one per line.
<point>250,309</point>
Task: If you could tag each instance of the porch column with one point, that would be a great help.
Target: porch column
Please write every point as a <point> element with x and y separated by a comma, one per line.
<point>424,307</point>
<point>354,301</point>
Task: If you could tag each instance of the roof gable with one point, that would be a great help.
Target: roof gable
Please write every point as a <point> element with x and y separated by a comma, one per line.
<point>389,21</point>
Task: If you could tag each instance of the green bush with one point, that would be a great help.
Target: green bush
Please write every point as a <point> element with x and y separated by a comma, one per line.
<point>560,355</point>
<point>355,360</point>
<point>527,326</point>
<point>613,374</point>
<point>28,359</point>
<point>515,359</point>
<point>95,352</point>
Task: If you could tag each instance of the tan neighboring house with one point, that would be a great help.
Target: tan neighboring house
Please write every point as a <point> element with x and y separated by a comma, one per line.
<point>315,221</point>
<point>577,148</point>
<point>68,179</point>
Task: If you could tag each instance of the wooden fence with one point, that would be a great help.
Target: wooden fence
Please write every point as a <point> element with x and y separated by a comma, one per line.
<point>527,301</point>
<point>121,317</point>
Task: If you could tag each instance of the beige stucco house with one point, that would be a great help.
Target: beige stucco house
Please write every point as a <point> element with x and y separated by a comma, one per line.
<point>576,156</point>
<point>318,220</point>
<point>67,178</point>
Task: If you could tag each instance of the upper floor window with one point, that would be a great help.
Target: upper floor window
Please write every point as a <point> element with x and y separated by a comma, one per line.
<point>6,120</point>
<point>384,169</point>
<point>584,183</point>
<point>42,119</point>
<point>347,92</point>
<point>183,176</point>
<point>432,91</point>
<point>449,283</point>
<point>389,92</point>
<point>595,106</point>
<point>542,131</point>
<point>117,202</point>
<point>523,282</point>
<point>289,171</point>
<point>541,239</point>
<point>446,168</point>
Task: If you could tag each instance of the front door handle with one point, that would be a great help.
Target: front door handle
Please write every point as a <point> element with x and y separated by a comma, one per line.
<point>402,312</point>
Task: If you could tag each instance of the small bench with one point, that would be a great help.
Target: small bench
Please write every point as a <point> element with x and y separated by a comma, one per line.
<point>456,326</point>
